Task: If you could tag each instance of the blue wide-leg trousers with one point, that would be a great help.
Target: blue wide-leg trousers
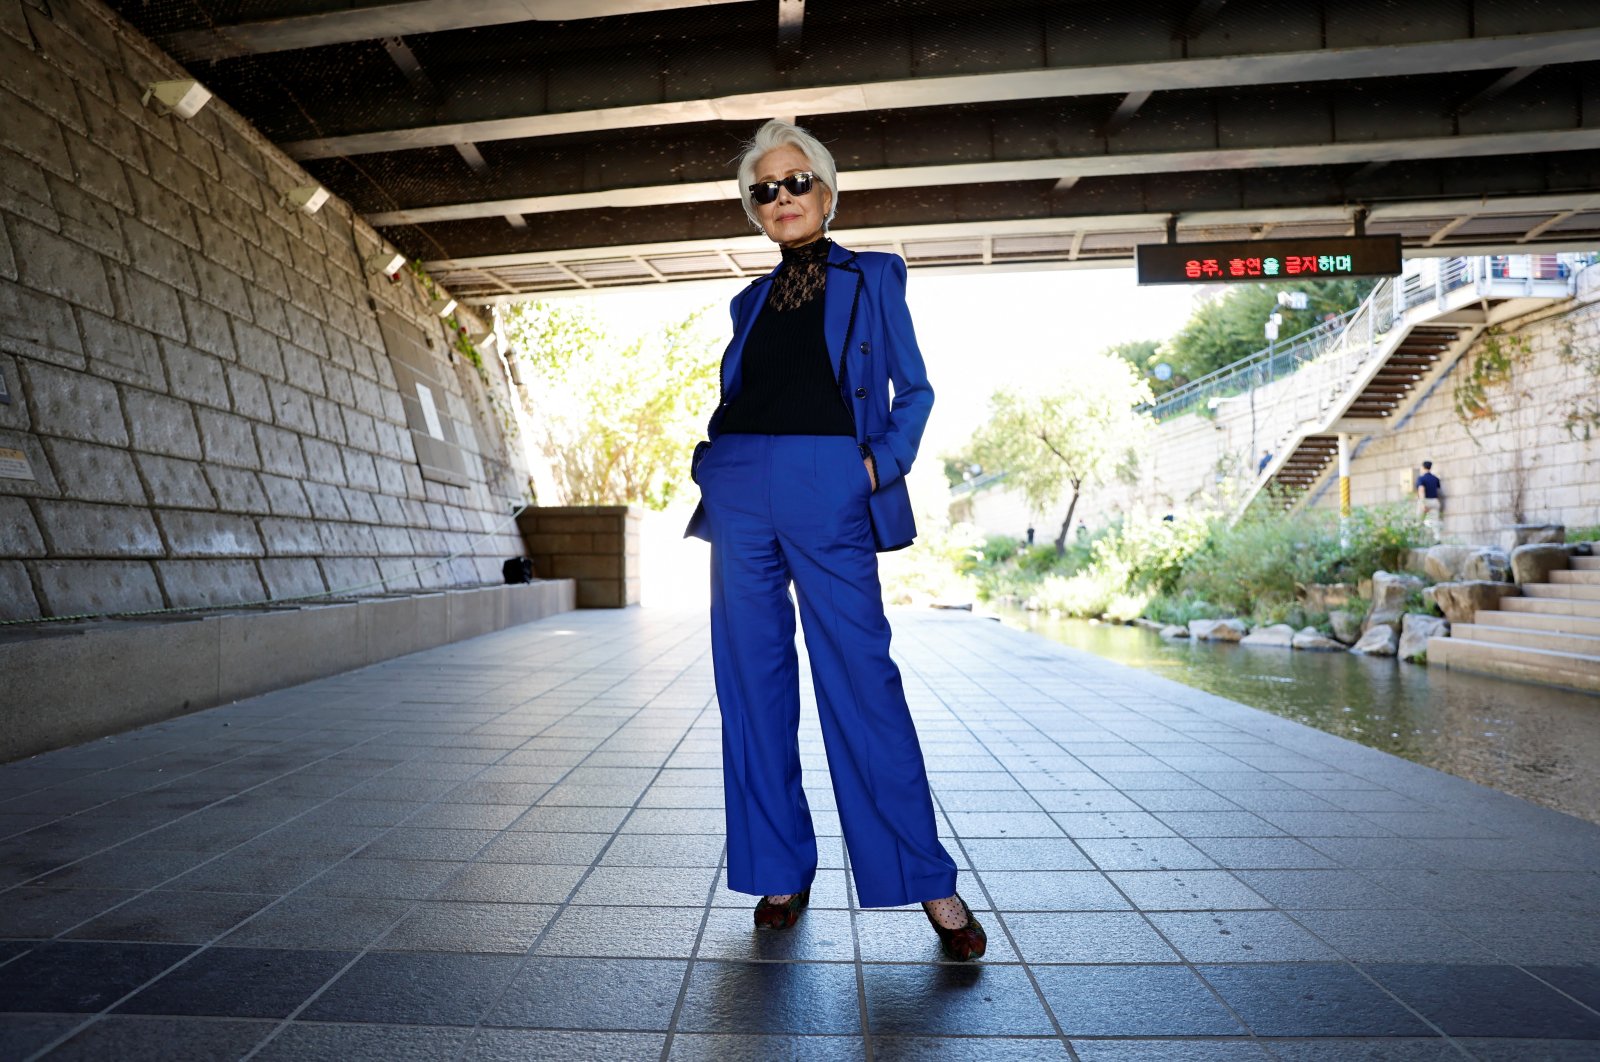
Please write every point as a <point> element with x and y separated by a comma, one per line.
<point>794,507</point>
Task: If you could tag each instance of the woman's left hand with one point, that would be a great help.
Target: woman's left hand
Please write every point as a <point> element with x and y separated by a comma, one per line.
<point>872,475</point>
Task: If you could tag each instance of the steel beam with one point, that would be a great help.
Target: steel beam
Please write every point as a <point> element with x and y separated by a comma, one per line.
<point>1327,64</point>
<point>231,40</point>
<point>1054,169</point>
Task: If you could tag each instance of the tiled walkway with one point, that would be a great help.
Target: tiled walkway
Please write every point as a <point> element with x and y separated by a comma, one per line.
<point>511,848</point>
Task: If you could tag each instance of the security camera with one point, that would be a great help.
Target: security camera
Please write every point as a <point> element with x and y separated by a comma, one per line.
<point>388,263</point>
<point>307,198</point>
<point>183,98</point>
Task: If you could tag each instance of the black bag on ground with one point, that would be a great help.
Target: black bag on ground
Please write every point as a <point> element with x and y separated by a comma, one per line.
<point>518,570</point>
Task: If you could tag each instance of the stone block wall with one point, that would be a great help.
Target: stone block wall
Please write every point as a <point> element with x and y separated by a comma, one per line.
<point>199,388</point>
<point>596,545</point>
<point>1523,466</point>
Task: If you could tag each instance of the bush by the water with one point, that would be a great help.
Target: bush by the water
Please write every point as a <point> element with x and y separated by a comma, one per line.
<point>1196,567</point>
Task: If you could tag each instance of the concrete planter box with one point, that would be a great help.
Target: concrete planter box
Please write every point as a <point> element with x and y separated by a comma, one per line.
<point>597,546</point>
<point>67,684</point>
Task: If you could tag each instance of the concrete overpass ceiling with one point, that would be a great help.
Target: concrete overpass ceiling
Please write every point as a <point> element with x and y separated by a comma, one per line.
<point>518,147</point>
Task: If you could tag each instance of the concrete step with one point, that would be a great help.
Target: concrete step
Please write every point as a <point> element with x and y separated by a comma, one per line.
<point>1543,666</point>
<point>1576,591</point>
<point>1540,621</point>
<point>1552,606</point>
<point>1585,564</point>
<point>1581,576</point>
<point>1581,644</point>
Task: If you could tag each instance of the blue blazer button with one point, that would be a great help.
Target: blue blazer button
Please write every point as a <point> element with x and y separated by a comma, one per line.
<point>866,348</point>
<point>861,392</point>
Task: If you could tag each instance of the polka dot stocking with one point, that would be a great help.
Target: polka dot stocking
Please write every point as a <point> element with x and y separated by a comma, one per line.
<point>947,912</point>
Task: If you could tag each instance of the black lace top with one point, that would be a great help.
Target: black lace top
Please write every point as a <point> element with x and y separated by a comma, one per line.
<point>787,375</point>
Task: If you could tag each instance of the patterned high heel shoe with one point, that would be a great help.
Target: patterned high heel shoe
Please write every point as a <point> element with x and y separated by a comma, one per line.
<point>965,942</point>
<point>781,915</point>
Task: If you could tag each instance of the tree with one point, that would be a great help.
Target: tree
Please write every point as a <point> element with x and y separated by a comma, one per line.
<point>616,423</point>
<point>1066,438</point>
<point>1225,329</point>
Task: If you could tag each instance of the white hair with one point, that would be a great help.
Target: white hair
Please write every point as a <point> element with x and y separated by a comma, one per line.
<point>777,133</point>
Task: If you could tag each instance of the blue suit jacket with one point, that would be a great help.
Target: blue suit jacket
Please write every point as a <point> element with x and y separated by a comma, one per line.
<point>869,334</point>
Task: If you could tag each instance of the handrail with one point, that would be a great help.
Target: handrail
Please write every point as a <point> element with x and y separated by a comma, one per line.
<point>1425,280</point>
<point>1280,359</point>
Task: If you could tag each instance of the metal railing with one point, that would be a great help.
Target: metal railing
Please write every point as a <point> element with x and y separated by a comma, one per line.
<point>1425,280</point>
<point>1258,370</point>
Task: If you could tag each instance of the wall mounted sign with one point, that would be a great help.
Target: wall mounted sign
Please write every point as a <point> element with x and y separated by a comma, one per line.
<point>14,465</point>
<point>1253,261</point>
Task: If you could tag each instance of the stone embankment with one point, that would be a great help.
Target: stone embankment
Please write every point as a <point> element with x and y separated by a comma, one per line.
<point>1533,600</point>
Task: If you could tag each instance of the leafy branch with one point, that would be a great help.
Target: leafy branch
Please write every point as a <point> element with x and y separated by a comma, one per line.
<point>1489,368</point>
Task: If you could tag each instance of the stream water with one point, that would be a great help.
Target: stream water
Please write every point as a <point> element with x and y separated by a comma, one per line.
<point>1534,742</point>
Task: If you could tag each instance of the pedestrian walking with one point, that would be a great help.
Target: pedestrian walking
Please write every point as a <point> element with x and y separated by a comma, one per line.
<point>802,479</point>
<point>1430,499</point>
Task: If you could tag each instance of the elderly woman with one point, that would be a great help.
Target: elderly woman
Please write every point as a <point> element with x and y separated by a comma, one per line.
<point>802,479</point>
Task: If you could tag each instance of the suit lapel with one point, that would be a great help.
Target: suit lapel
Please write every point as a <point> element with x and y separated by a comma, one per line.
<point>838,298</point>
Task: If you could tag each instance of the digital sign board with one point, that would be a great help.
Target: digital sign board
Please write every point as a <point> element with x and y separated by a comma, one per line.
<point>1239,261</point>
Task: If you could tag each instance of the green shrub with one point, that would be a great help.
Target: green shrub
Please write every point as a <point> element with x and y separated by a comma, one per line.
<point>1584,534</point>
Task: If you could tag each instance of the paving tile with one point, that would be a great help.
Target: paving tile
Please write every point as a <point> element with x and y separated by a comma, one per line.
<point>520,1045</point>
<point>415,988</point>
<point>819,935</point>
<point>140,1039</point>
<point>582,820</point>
<point>1392,936</point>
<point>766,997</point>
<point>1263,853</point>
<point>952,999</point>
<point>1169,1050</point>
<point>1529,937</point>
<point>80,977</point>
<point>1487,1001</point>
<point>490,928</point>
<point>1518,1050</point>
<point>1310,999</point>
<point>1160,800</point>
<point>511,883</point>
<point>1311,889</point>
<point>404,842</point>
<point>318,922</point>
<point>238,872</point>
<point>307,1042</point>
<point>1112,824</point>
<point>1132,1001</point>
<point>654,850</point>
<point>239,983</point>
<point>1185,890</point>
<point>1031,853</point>
<point>394,878</point>
<point>174,917</point>
<point>1239,936</point>
<point>1218,824</point>
<point>1145,853</point>
<point>906,936</point>
<point>23,1034</point>
<point>1391,1049</point>
<point>620,994</point>
<point>733,1047</point>
<point>646,886</point>
<point>1024,890</point>
<point>635,932</point>
<point>42,912</point>
<point>571,849</point>
<point>1086,937</point>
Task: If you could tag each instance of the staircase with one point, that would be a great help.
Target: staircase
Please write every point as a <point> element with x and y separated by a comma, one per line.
<point>1551,635</point>
<point>1388,353</point>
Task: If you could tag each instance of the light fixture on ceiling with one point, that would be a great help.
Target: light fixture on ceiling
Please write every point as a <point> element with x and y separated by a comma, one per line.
<point>389,263</point>
<point>306,198</point>
<point>442,307</point>
<point>484,341</point>
<point>183,97</point>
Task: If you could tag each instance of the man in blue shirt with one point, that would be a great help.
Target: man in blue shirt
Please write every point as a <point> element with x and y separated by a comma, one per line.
<point>1428,499</point>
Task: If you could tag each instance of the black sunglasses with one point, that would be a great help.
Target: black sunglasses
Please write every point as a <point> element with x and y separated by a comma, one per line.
<point>764,192</point>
